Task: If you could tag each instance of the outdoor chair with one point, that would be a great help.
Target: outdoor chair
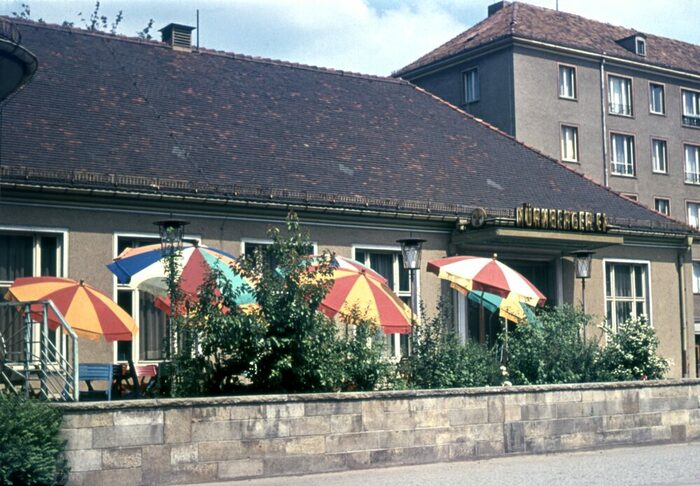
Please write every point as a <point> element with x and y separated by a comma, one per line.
<point>147,376</point>
<point>89,372</point>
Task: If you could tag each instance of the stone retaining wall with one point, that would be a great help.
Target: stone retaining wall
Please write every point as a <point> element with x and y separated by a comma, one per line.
<point>213,439</point>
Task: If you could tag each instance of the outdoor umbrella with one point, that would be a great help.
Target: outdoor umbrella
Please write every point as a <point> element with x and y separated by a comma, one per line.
<point>356,285</point>
<point>87,310</point>
<point>488,275</point>
<point>144,268</point>
<point>513,311</point>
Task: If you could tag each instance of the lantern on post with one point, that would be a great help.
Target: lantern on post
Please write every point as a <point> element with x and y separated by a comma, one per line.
<point>582,263</point>
<point>411,252</point>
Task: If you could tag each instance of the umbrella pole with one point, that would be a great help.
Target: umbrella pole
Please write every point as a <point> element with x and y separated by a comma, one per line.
<point>505,344</point>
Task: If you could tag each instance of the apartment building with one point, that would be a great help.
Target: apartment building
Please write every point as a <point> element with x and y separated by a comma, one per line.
<point>621,106</point>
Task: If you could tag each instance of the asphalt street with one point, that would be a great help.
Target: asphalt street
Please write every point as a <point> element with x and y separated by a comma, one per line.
<point>676,464</point>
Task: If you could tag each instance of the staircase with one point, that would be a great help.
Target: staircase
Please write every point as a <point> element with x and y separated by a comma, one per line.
<point>35,360</point>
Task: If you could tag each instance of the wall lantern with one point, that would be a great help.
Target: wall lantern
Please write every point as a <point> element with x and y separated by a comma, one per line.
<point>410,251</point>
<point>582,262</point>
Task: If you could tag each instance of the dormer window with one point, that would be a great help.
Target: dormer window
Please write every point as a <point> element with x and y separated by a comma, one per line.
<point>641,46</point>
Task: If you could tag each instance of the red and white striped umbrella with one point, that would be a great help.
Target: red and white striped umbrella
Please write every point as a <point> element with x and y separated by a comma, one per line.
<point>489,275</point>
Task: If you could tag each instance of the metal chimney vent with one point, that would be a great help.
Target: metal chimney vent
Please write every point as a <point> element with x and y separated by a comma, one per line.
<point>178,36</point>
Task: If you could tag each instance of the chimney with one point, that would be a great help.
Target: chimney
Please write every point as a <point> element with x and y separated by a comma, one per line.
<point>495,7</point>
<point>178,36</point>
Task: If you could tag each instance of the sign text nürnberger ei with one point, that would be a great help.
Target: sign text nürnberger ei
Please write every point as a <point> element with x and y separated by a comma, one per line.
<point>560,219</point>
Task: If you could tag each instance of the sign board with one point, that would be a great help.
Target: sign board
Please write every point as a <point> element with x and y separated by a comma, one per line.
<point>527,216</point>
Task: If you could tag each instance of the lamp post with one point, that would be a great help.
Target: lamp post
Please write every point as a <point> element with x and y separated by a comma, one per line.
<point>582,262</point>
<point>172,232</point>
<point>411,251</point>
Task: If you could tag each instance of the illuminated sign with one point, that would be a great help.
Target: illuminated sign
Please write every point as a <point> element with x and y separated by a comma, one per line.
<point>560,219</point>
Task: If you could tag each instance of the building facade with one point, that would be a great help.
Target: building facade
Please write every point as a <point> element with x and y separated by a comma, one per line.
<point>232,143</point>
<point>620,106</point>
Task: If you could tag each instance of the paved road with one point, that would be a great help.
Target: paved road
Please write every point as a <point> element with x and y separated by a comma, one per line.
<point>677,464</point>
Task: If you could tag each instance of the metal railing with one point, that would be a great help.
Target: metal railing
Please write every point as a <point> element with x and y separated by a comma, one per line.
<point>692,177</point>
<point>691,120</point>
<point>41,363</point>
<point>620,109</point>
<point>9,32</point>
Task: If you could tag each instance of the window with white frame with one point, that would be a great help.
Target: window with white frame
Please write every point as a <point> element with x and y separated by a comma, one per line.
<point>26,254</point>
<point>696,277</point>
<point>659,156</point>
<point>569,143</point>
<point>691,108</point>
<point>662,205</point>
<point>641,46</point>
<point>692,163</point>
<point>389,264</point>
<point>147,345</point>
<point>626,291</point>
<point>620,95</point>
<point>471,85</point>
<point>622,154</point>
<point>567,82</point>
<point>657,102</point>
<point>694,215</point>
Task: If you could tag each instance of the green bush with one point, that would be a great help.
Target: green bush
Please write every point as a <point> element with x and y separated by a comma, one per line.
<point>631,353</point>
<point>438,360</point>
<point>31,450</point>
<point>552,350</point>
<point>365,364</point>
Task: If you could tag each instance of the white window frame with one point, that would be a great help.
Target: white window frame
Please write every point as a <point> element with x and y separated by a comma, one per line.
<point>640,46</point>
<point>624,167</point>
<point>666,201</point>
<point>696,277</point>
<point>620,102</point>
<point>690,111</point>
<point>691,168</point>
<point>61,261</point>
<point>394,340</point>
<point>693,219</point>
<point>659,159</point>
<point>471,85</point>
<point>567,82</point>
<point>565,156</point>
<point>651,99</point>
<point>135,311</point>
<point>633,299</point>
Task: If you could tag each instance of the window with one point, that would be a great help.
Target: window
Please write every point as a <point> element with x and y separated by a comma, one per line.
<point>659,156</point>
<point>691,108</point>
<point>692,164</point>
<point>26,254</point>
<point>471,85</point>
<point>657,103</point>
<point>631,197</point>
<point>389,264</point>
<point>694,215</point>
<point>147,345</point>
<point>569,143</point>
<point>662,205</point>
<point>567,82</point>
<point>620,96</point>
<point>641,46</point>
<point>626,291</point>
<point>696,277</point>
<point>249,247</point>
<point>622,154</point>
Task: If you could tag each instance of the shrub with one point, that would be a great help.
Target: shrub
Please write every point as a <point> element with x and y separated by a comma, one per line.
<point>365,364</point>
<point>31,450</point>
<point>631,353</point>
<point>552,349</point>
<point>301,351</point>
<point>439,360</point>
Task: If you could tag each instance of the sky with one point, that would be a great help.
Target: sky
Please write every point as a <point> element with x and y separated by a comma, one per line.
<point>367,36</point>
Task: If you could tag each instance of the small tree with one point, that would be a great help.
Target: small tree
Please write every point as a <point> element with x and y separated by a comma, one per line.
<point>552,350</point>
<point>365,365</point>
<point>439,360</point>
<point>631,353</point>
<point>301,351</point>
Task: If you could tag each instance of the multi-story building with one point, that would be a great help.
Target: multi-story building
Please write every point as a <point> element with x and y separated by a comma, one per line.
<point>618,105</point>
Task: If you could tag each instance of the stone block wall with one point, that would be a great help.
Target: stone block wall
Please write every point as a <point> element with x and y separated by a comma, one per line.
<point>214,439</point>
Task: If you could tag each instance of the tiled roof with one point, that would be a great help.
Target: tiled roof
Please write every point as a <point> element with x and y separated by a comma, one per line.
<point>564,29</point>
<point>137,115</point>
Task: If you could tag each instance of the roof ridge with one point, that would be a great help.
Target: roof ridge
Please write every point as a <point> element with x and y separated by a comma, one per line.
<point>204,50</point>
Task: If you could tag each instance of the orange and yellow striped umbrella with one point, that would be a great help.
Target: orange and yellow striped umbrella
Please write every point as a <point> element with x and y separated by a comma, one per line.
<point>359,286</point>
<point>90,312</point>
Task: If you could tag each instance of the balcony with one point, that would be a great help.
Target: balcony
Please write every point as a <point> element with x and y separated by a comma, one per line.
<point>691,120</point>
<point>17,64</point>
<point>620,109</point>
